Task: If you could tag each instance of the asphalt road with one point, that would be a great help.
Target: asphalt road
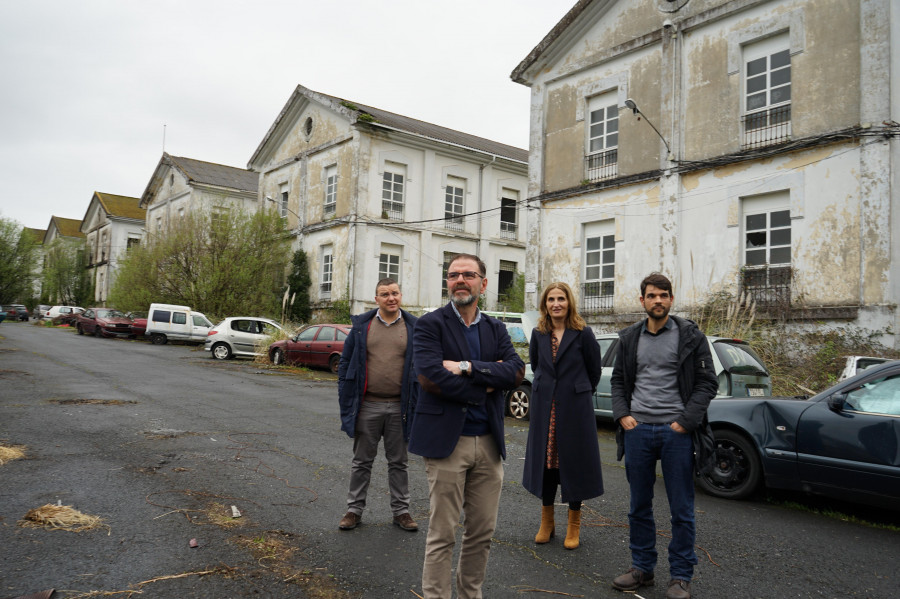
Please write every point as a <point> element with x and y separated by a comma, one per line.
<point>159,441</point>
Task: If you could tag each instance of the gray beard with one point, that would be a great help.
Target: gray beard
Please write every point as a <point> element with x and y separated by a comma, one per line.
<point>463,301</point>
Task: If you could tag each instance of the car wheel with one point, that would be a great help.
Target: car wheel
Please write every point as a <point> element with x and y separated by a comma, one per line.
<point>79,330</point>
<point>158,339</point>
<point>737,471</point>
<point>221,351</point>
<point>278,357</point>
<point>518,402</point>
<point>97,331</point>
<point>334,362</point>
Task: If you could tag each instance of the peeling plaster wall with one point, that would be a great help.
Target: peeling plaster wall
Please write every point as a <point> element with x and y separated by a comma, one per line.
<point>327,126</point>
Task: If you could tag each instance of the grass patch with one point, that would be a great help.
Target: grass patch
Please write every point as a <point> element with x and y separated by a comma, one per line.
<point>9,453</point>
<point>220,515</point>
<point>60,517</point>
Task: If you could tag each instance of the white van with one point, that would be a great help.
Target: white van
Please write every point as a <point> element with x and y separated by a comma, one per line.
<point>178,323</point>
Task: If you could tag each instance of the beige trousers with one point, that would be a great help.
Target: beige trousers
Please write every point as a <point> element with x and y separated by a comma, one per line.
<point>469,480</point>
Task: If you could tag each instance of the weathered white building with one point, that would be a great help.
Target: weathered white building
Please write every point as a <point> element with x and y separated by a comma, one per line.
<point>111,225</point>
<point>368,194</point>
<point>181,185</point>
<point>737,146</point>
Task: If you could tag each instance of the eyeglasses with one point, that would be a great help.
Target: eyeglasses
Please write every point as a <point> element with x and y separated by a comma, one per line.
<point>468,275</point>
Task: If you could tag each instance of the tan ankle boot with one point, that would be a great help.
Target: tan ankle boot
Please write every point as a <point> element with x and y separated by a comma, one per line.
<point>547,529</point>
<point>573,531</point>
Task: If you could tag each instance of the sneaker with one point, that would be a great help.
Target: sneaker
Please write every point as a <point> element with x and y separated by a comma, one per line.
<point>406,522</point>
<point>678,589</point>
<point>350,521</point>
<point>633,580</point>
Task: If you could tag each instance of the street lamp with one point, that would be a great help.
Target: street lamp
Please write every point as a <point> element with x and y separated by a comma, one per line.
<point>629,103</point>
<point>278,204</point>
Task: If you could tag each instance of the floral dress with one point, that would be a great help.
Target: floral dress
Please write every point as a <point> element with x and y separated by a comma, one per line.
<point>552,455</point>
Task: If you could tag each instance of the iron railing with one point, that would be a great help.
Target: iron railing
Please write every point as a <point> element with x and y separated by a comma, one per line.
<point>767,286</point>
<point>603,165</point>
<point>766,127</point>
<point>597,297</point>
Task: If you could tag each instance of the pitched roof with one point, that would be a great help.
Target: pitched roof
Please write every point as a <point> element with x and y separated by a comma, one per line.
<point>38,234</point>
<point>124,206</point>
<point>391,120</point>
<point>209,173</point>
<point>431,131</point>
<point>568,19</point>
<point>67,227</point>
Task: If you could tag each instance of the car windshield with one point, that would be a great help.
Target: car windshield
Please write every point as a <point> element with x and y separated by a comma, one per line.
<point>110,314</point>
<point>739,358</point>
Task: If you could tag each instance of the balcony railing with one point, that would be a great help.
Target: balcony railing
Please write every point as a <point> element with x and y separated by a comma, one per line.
<point>766,127</point>
<point>453,223</point>
<point>767,286</point>
<point>597,297</point>
<point>600,166</point>
<point>507,230</point>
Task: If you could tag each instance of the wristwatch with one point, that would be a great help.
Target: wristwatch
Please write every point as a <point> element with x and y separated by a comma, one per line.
<point>464,367</point>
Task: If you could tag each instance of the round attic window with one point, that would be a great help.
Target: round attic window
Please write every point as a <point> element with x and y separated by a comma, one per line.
<point>308,126</point>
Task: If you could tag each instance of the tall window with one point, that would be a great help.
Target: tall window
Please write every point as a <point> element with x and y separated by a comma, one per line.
<point>327,272</point>
<point>603,137</point>
<point>454,201</point>
<point>389,262</point>
<point>392,191</point>
<point>767,92</point>
<point>508,214</point>
<point>330,189</point>
<point>599,267</point>
<point>766,276</point>
<point>283,201</point>
<point>446,268</point>
<point>505,279</point>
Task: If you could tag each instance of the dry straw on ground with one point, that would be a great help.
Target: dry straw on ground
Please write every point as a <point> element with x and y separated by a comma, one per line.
<point>9,453</point>
<point>60,517</point>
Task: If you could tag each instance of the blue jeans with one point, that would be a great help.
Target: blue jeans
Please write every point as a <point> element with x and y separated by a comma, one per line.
<point>644,445</point>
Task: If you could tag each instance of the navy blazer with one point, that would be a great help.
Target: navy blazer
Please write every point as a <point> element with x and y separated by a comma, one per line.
<point>444,397</point>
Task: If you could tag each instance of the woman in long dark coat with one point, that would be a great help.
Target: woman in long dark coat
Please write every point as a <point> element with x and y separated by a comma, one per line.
<point>562,436</point>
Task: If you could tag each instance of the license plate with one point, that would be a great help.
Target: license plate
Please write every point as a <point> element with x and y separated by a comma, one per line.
<point>756,392</point>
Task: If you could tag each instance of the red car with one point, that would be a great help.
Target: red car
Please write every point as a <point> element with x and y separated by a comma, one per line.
<point>316,345</point>
<point>138,323</point>
<point>103,322</point>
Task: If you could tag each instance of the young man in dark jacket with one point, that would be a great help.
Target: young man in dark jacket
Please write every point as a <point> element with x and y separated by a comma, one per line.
<point>662,383</point>
<point>377,394</point>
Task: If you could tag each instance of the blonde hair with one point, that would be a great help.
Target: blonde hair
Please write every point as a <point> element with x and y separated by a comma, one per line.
<point>573,320</point>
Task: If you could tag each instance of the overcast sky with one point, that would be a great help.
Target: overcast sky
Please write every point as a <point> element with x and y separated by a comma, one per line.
<point>86,86</point>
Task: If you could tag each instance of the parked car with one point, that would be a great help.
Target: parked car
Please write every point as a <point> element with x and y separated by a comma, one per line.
<point>856,364</point>
<point>316,345</point>
<point>740,371</point>
<point>63,314</point>
<point>841,443</point>
<point>177,323</point>
<point>103,322</point>
<point>40,311</point>
<point>240,336</point>
<point>16,312</point>
<point>138,323</point>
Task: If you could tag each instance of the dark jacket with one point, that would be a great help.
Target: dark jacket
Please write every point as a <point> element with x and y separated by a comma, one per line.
<point>352,373</point>
<point>444,397</point>
<point>697,382</point>
<point>571,382</point>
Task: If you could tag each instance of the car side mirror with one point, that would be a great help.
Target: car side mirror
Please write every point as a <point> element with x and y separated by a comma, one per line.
<point>836,402</point>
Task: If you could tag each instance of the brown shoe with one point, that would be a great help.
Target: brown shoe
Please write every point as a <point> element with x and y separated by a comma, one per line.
<point>406,522</point>
<point>633,580</point>
<point>350,521</point>
<point>678,589</point>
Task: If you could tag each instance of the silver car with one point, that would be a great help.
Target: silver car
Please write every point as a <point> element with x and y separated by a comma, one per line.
<point>740,371</point>
<point>246,336</point>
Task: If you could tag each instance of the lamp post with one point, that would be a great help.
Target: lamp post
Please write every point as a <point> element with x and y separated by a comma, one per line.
<point>299,218</point>
<point>629,103</point>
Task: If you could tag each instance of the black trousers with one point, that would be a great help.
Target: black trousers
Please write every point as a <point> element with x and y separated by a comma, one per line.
<point>548,489</point>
